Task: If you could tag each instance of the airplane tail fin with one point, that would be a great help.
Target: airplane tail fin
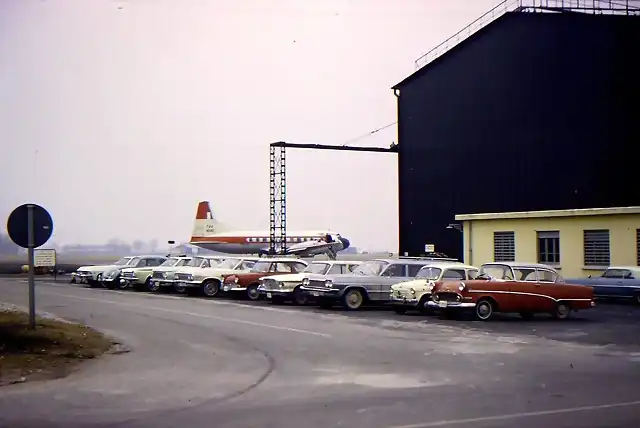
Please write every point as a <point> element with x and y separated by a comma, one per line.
<point>205,223</point>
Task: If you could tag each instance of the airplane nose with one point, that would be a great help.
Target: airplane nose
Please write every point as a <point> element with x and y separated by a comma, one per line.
<point>345,243</point>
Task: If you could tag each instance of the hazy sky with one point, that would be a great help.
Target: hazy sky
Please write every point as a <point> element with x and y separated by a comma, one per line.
<point>119,116</point>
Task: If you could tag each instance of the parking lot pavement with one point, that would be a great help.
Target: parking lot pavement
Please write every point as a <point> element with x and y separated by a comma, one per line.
<point>217,362</point>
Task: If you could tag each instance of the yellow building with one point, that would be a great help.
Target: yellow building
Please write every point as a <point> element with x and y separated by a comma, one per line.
<point>576,242</point>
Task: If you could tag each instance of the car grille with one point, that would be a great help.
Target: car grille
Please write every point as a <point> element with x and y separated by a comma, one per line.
<point>183,277</point>
<point>449,297</point>
<point>270,284</point>
<point>158,275</point>
<point>317,283</point>
<point>403,293</point>
<point>128,274</point>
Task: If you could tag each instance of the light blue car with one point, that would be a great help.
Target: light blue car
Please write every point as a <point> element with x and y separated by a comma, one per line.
<point>617,282</point>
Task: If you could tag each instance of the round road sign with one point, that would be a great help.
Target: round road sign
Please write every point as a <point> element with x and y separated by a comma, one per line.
<point>18,228</point>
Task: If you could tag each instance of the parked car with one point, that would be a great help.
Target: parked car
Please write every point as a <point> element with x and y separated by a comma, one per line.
<point>208,280</point>
<point>524,288</point>
<point>617,282</point>
<point>248,282</point>
<point>139,276</point>
<point>414,294</point>
<point>185,274</point>
<point>280,288</point>
<point>370,282</point>
<point>92,275</point>
<point>162,276</point>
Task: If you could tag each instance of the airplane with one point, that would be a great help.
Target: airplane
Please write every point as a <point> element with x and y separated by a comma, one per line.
<point>210,234</point>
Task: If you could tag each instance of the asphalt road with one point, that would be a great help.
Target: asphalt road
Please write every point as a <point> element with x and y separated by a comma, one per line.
<point>219,363</point>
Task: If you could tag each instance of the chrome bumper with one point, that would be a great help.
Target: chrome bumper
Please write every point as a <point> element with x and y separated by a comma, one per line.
<point>402,300</point>
<point>162,282</point>
<point>128,280</point>
<point>275,291</point>
<point>321,292</point>
<point>232,287</point>
<point>447,305</point>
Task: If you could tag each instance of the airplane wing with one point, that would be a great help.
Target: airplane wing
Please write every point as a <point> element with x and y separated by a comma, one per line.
<point>302,248</point>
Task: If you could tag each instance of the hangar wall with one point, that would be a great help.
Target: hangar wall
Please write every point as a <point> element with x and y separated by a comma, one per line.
<point>536,111</point>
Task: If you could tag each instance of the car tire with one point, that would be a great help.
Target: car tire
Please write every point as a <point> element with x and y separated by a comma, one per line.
<point>211,288</point>
<point>352,299</point>
<point>300,298</point>
<point>152,286</point>
<point>484,309</point>
<point>180,289</point>
<point>252,292</point>
<point>422,305</point>
<point>562,311</point>
<point>400,310</point>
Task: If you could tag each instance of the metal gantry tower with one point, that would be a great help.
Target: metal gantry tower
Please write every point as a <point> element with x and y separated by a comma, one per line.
<point>278,186</point>
<point>277,199</point>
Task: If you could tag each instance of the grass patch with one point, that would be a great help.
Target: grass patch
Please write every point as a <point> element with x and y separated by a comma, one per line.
<point>52,350</point>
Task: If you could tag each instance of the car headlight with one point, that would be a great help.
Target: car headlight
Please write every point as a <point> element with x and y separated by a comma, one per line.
<point>328,283</point>
<point>305,281</point>
<point>462,286</point>
<point>236,279</point>
<point>413,292</point>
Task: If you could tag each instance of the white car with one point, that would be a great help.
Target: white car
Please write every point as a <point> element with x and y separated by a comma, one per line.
<point>280,288</point>
<point>163,275</point>
<point>195,264</point>
<point>209,279</point>
<point>92,275</point>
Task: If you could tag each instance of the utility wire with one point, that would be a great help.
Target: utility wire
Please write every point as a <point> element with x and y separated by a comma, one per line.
<point>368,134</point>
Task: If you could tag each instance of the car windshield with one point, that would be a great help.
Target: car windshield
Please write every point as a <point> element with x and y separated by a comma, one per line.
<point>428,272</point>
<point>370,268</point>
<point>616,273</point>
<point>183,261</point>
<point>171,261</point>
<point>318,268</point>
<point>494,271</point>
<point>228,264</point>
<point>134,261</point>
<point>195,262</point>
<point>123,261</point>
<point>261,267</point>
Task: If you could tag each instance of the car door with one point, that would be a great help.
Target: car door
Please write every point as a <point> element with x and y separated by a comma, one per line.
<point>381,286</point>
<point>546,291</point>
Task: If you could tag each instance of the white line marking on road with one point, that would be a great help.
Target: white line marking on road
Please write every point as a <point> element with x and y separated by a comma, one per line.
<point>517,415</point>
<point>194,314</point>
<point>162,296</point>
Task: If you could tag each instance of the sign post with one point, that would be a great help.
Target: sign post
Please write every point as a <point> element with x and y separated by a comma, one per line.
<point>30,226</point>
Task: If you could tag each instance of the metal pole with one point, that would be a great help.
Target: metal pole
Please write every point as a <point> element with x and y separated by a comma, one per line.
<point>32,281</point>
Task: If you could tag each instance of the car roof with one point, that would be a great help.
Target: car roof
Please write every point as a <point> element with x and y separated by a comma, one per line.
<point>406,261</point>
<point>337,262</point>
<point>444,265</point>
<point>521,265</point>
<point>282,259</point>
<point>635,269</point>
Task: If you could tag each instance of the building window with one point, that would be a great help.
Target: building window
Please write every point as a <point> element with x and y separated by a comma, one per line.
<point>549,247</point>
<point>638,247</point>
<point>596,248</point>
<point>504,247</point>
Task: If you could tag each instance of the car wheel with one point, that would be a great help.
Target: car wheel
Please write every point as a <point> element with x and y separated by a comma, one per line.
<point>252,292</point>
<point>352,299</point>
<point>400,310</point>
<point>153,286</point>
<point>179,289</point>
<point>123,286</point>
<point>484,309</point>
<point>299,297</point>
<point>211,288</point>
<point>422,305</point>
<point>562,312</point>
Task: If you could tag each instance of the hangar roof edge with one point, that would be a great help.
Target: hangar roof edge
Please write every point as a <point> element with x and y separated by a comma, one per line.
<point>549,213</point>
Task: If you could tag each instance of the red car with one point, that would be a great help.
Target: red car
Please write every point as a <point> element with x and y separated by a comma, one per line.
<point>248,282</point>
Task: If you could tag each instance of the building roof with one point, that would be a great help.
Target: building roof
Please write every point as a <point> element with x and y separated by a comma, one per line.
<point>507,9</point>
<point>549,214</point>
